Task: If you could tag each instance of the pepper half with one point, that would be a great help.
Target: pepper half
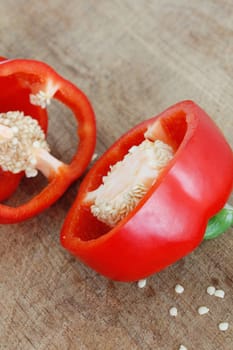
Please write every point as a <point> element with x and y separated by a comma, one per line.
<point>170,219</point>
<point>14,96</point>
<point>27,87</point>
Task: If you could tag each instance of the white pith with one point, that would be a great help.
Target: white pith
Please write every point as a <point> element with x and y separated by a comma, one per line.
<point>128,181</point>
<point>24,148</point>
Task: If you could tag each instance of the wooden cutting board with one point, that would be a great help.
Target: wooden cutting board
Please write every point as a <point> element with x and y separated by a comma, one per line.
<point>133,59</point>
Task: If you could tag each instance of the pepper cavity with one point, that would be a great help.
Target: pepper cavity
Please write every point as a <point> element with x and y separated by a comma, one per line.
<point>23,146</point>
<point>128,180</point>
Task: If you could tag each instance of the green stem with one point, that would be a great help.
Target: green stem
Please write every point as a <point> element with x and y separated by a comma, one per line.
<point>219,223</point>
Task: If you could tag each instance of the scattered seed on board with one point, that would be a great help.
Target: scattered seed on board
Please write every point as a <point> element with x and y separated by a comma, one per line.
<point>141,283</point>
<point>202,310</point>
<point>173,311</point>
<point>182,347</point>
<point>94,157</point>
<point>219,293</point>
<point>179,289</point>
<point>223,326</point>
<point>211,290</point>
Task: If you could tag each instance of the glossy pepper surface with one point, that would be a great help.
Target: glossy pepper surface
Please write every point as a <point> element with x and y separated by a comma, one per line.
<point>27,87</point>
<point>171,218</point>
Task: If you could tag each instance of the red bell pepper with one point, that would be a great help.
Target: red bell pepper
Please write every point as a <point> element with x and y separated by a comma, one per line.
<point>171,219</point>
<point>28,86</point>
<point>17,98</point>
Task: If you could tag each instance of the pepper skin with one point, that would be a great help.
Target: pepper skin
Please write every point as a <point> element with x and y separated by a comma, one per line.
<point>170,221</point>
<point>19,78</point>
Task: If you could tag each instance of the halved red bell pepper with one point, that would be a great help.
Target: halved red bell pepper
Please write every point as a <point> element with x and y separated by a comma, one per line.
<point>170,220</point>
<point>15,97</point>
<point>22,80</point>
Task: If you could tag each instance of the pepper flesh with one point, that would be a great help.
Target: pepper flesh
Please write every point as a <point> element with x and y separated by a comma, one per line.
<point>28,86</point>
<point>170,221</point>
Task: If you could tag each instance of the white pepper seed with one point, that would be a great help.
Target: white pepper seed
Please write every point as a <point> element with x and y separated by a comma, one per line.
<point>219,293</point>
<point>94,157</point>
<point>182,347</point>
<point>179,289</point>
<point>15,129</point>
<point>211,290</point>
<point>173,311</point>
<point>142,283</point>
<point>14,141</point>
<point>202,310</point>
<point>223,326</point>
<point>36,144</point>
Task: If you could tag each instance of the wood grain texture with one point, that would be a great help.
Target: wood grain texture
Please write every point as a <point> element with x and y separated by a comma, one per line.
<point>133,59</point>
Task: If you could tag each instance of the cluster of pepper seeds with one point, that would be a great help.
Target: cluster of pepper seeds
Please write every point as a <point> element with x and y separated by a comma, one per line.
<point>202,310</point>
<point>16,154</point>
<point>136,173</point>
